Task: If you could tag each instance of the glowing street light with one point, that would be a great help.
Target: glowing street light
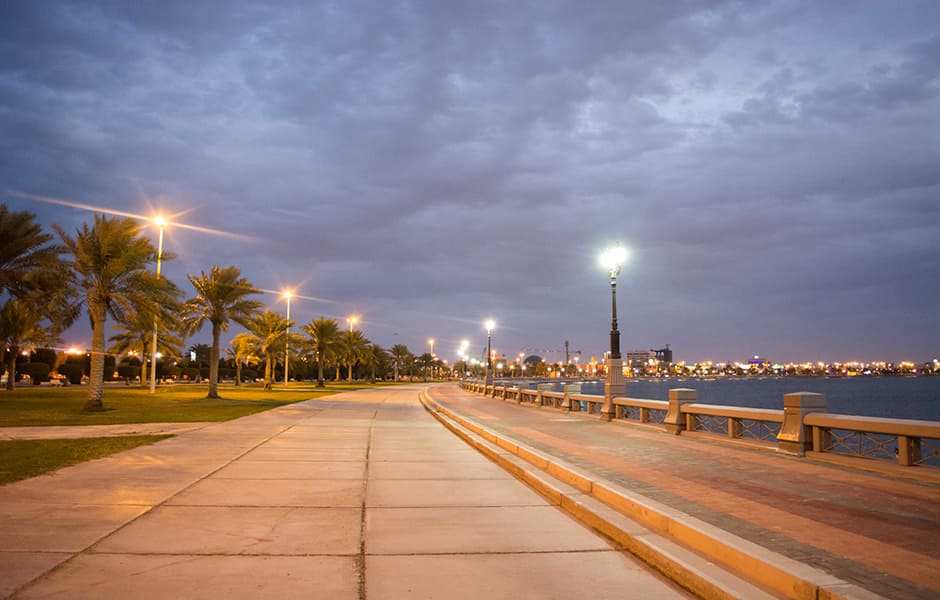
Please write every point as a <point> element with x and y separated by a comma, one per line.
<point>160,222</point>
<point>614,386</point>
<point>287,294</point>
<point>490,326</point>
<point>431,343</point>
<point>352,321</point>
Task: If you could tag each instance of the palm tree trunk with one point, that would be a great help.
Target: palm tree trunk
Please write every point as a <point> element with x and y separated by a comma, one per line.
<point>96,375</point>
<point>267,371</point>
<point>337,373</point>
<point>11,367</point>
<point>349,373</point>
<point>238,372</point>
<point>320,371</point>
<point>214,361</point>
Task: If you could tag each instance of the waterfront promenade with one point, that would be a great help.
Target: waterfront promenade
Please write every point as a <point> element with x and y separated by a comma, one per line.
<point>358,495</point>
<point>877,531</point>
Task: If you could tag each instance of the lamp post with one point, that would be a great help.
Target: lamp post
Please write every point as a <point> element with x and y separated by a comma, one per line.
<point>431,343</point>
<point>464,344</point>
<point>614,384</point>
<point>287,294</point>
<point>161,223</point>
<point>488,377</point>
<point>352,321</point>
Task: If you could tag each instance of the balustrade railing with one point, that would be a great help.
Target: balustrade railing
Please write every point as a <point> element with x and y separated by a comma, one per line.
<point>802,426</point>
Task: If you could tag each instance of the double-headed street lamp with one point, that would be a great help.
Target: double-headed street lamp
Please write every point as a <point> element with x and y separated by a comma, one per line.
<point>490,326</point>
<point>161,223</point>
<point>614,385</point>
<point>287,294</point>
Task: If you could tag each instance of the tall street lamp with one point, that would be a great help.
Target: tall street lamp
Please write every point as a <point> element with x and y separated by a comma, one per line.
<point>464,344</point>
<point>287,294</point>
<point>614,384</point>
<point>352,321</point>
<point>431,343</point>
<point>161,223</point>
<point>488,377</point>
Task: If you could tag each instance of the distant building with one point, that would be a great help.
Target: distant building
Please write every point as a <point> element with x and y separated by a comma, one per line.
<point>640,359</point>
<point>664,355</point>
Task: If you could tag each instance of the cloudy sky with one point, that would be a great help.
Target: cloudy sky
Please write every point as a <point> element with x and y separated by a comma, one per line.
<point>773,167</point>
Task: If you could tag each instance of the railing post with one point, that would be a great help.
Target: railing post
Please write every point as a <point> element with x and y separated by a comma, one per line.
<point>674,421</point>
<point>908,450</point>
<point>571,388</point>
<point>543,387</point>
<point>795,437</point>
<point>734,427</point>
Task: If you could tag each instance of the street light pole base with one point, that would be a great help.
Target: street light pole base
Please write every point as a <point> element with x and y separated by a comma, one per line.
<point>614,386</point>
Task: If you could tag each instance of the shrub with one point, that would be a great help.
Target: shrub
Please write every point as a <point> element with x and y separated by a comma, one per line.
<point>128,372</point>
<point>172,372</point>
<point>191,373</point>
<point>37,371</point>
<point>73,371</point>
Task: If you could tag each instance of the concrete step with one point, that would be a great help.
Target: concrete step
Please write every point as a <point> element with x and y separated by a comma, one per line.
<point>704,559</point>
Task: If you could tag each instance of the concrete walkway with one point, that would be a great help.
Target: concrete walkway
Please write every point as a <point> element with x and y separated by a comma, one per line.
<point>876,531</point>
<point>359,495</point>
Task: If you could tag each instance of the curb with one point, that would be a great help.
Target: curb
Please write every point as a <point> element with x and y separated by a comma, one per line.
<point>768,569</point>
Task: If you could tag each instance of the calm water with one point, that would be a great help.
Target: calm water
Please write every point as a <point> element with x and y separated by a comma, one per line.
<point>894,397</point>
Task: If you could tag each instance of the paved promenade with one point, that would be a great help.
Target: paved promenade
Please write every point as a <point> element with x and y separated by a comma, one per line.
<point>358,495</point>
<point>877,531</point>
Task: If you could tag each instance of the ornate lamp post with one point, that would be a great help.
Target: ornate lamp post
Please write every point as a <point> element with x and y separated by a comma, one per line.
<point>287,294</point>
<point>614,385</point>
<point>488,377</point>
<point>161,223</point>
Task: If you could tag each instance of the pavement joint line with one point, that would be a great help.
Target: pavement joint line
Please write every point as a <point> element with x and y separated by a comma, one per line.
<point>362,510</point>
<point>90,547</point>
<point>799,580</point>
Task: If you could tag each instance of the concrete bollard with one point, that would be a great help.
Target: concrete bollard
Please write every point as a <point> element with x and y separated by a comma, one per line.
<point>795,437</point>
<point>675,421</point>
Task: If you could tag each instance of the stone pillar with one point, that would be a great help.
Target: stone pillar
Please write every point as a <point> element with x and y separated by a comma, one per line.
<point>614,386</point>
<point>795,437</point>
<point>543,387</point>
<point>675,420</point>
<point>571,388</point>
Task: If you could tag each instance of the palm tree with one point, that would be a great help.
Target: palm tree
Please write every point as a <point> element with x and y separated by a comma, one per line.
<point>352,349</point>
<point>20,326</point>
<point>425,361</point>
<point>400,357</point>
<point>111,261</point>
<point>28,263</point>
<point>374,356</point>
<point>136,333</point>
<point>220,298</point>
<point>322,343</point>
<point>268,331</point>
<point>242,350</point>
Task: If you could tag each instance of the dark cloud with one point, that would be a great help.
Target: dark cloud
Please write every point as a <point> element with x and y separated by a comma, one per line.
<point>772,166</point>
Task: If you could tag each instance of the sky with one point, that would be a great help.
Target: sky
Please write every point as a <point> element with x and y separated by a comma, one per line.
<point>772,167</point>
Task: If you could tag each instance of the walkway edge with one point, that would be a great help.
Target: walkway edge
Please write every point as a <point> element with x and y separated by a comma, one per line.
<point>776,572</point>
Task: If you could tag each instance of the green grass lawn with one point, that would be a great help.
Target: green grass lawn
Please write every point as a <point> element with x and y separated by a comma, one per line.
<point>133,404</point>
<point>22,459</point>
